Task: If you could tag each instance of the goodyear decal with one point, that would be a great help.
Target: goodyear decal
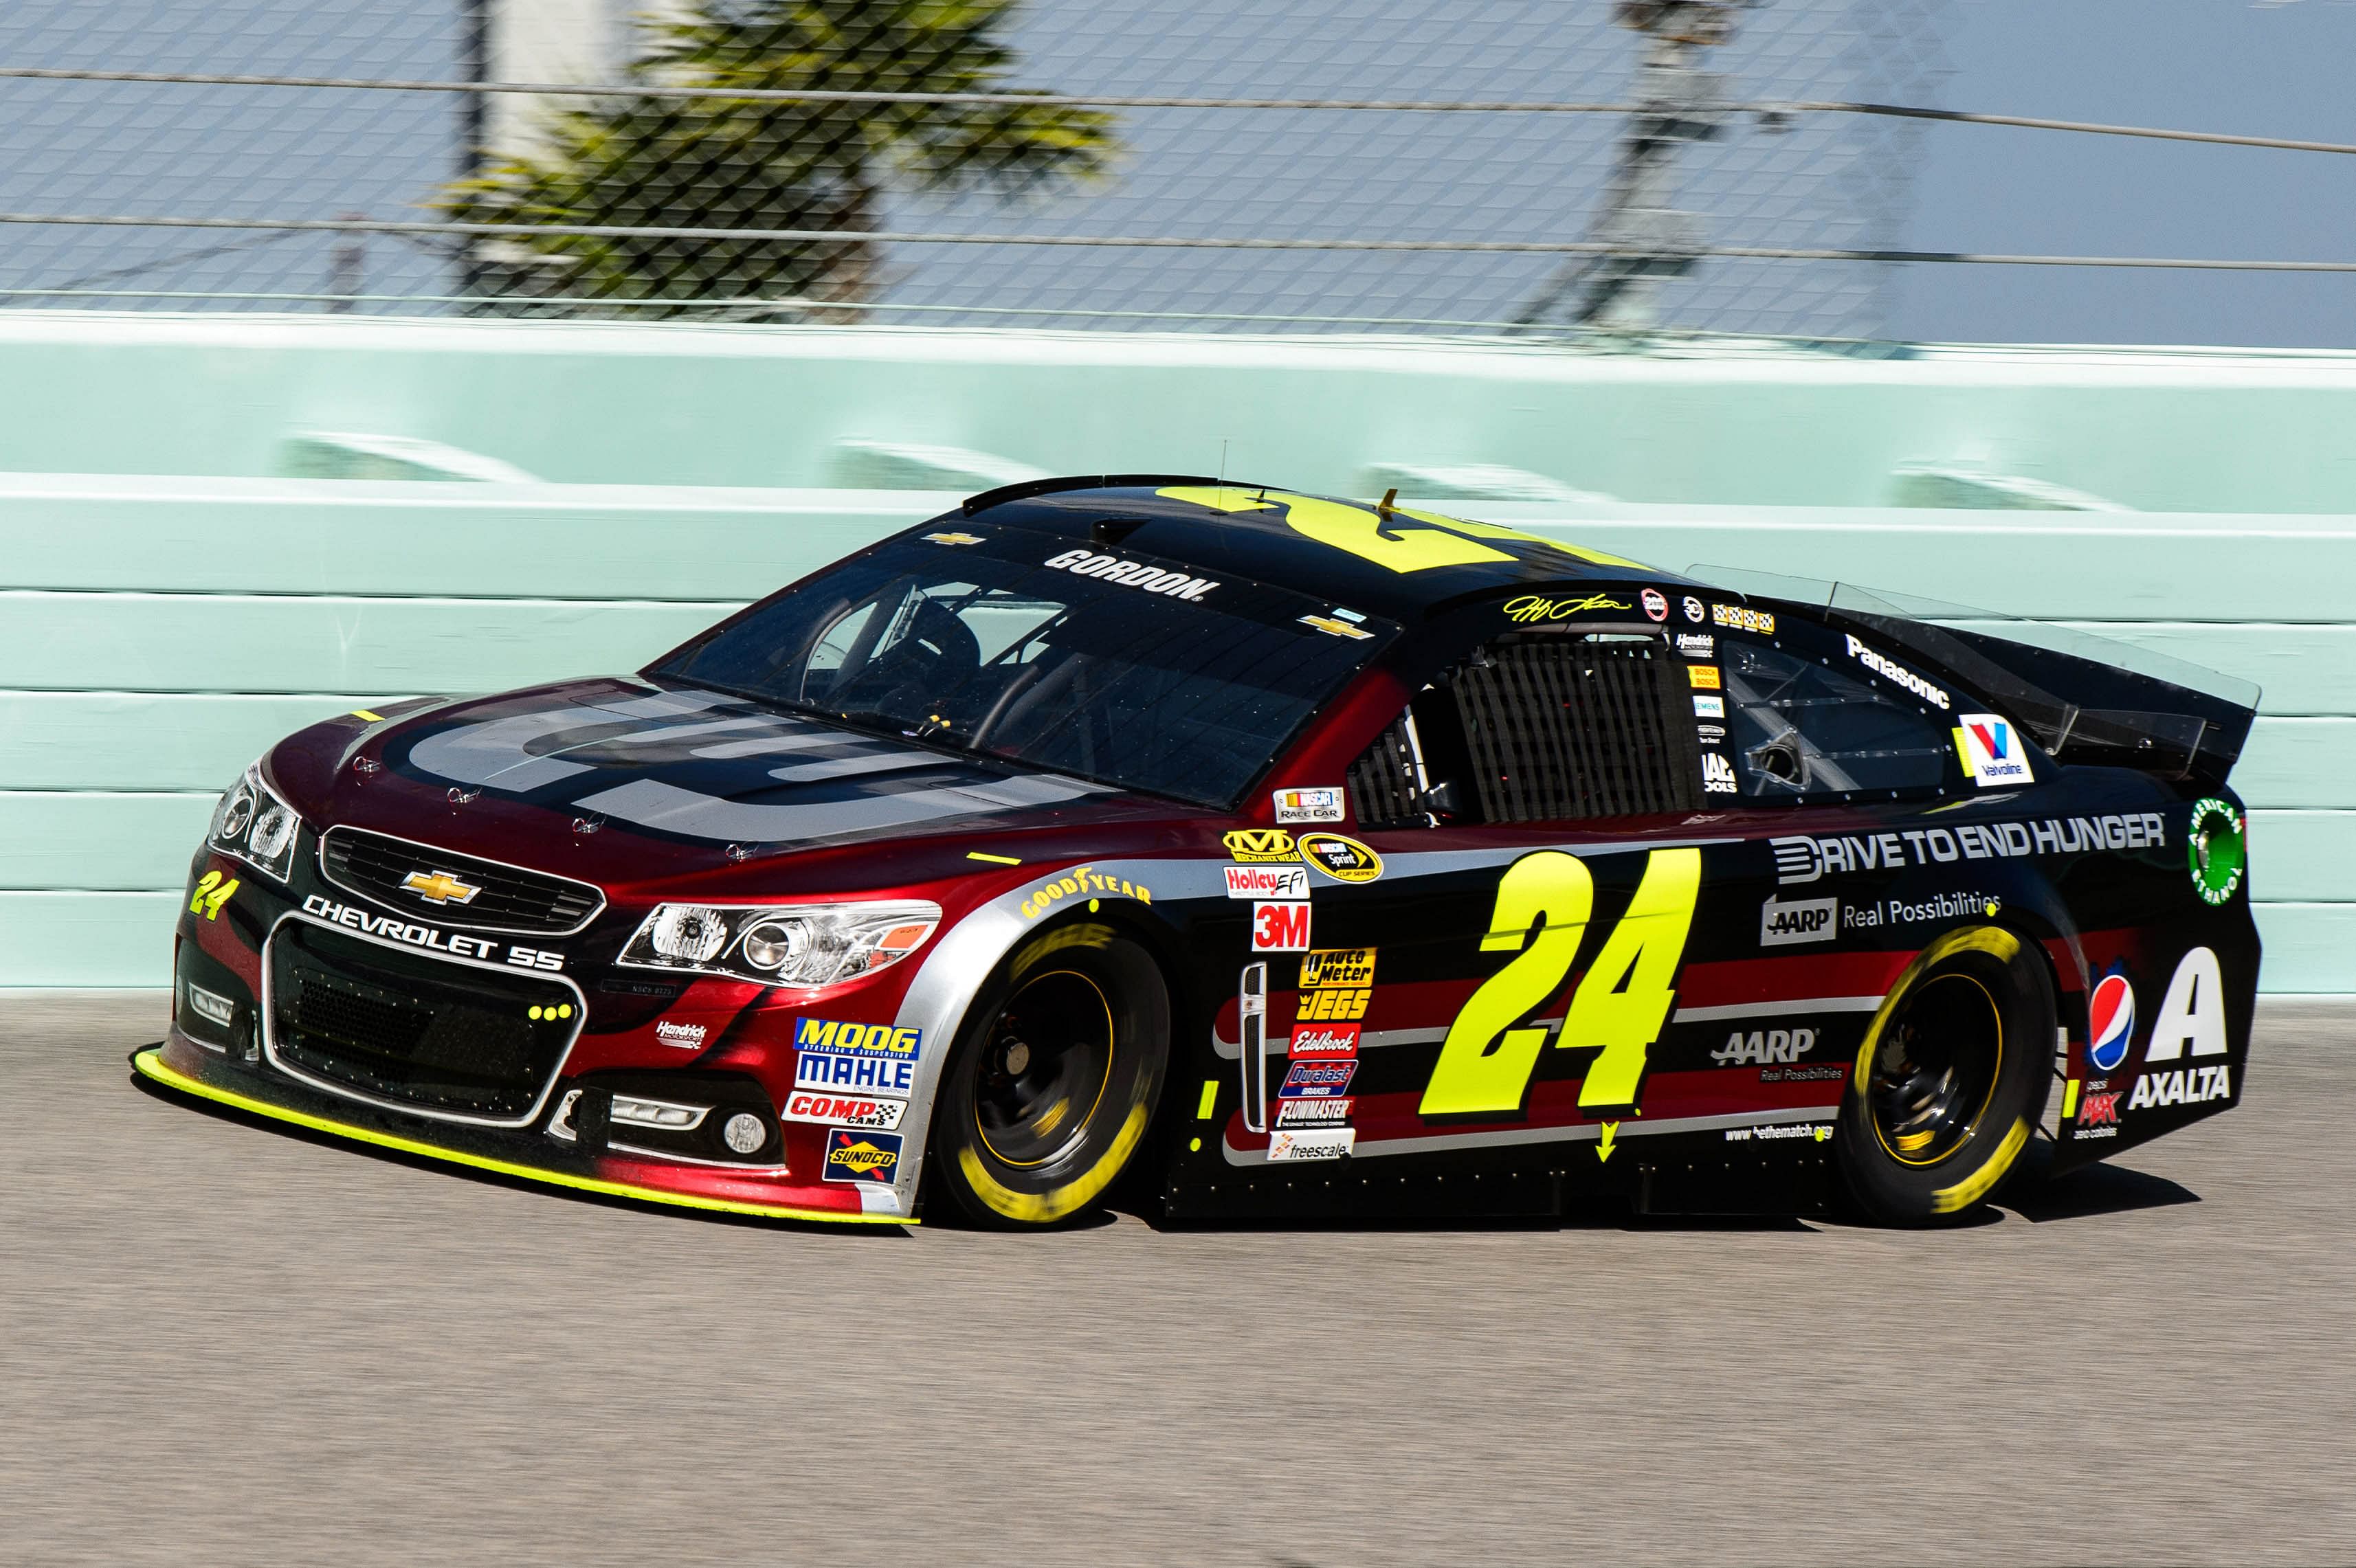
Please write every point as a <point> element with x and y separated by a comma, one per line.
<point>1082,882</point>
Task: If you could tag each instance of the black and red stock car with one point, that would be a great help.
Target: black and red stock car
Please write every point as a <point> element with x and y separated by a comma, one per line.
<point>1298,855</point>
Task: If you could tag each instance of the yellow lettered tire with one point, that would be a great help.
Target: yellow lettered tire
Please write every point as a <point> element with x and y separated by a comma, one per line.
<point>1951,1081</point>
<point>1055,1079</point>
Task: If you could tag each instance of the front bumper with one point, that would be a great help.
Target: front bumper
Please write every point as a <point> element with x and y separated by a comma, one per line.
<point>181,1064</point>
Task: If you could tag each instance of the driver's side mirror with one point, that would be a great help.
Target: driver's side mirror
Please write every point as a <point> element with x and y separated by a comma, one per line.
<point>1442,799</point>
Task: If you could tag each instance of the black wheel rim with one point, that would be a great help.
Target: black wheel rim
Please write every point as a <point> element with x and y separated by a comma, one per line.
<point>1935,1070</point>
<point>1043,1068</point>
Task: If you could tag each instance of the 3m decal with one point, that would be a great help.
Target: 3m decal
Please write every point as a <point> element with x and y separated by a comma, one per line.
<point>1311,1143</point>
<point>1260,845</point>
<point>211,893</point>
<point>844,1110</point>
<point>2191,1017</point>
<point>1082,882</point>
<point>1280,928</point>
<point>1388,537</point>
<point>1297,805</point>
<point>1312,1113</point>
<point>1134,574</point>
<point>1343,860</point>
<point>1742,618</point>
<point>2218,851</point>
<point>1267,881</point>
<point>1764,1047</point>
<point>1803,859</point>
<point>1785,924</point>
<point>1990,750</point>
<point>856,1153</point>
<point>1532,607</point>
<point>1890,670</point>
<point>2110,1021</point>
<point>2182,1086</point>
<point>1544,902</point>
<point>1703,676</point>
<point>1323,1039</point>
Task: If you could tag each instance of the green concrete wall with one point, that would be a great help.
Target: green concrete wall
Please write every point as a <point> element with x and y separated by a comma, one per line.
<point>2174,430</point>
<point>157,633</point>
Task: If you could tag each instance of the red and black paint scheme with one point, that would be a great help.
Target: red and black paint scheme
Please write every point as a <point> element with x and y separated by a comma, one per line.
<point>1475,873</point>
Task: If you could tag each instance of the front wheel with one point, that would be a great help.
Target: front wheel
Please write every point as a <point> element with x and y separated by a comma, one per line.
<point>1950,1080</point>
<point>1055,1079</point>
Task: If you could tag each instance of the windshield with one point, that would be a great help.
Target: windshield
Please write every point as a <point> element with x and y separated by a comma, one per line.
<point>1096,661</point>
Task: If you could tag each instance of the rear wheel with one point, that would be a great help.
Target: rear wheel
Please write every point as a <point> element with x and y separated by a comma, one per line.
<point>1950,1080</point>
<point>1055,1079</point>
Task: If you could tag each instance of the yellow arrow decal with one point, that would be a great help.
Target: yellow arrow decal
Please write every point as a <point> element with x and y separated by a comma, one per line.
<point>1603,1149</point>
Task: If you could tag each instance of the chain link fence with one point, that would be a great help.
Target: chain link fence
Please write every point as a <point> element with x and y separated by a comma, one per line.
<point>707,181</point>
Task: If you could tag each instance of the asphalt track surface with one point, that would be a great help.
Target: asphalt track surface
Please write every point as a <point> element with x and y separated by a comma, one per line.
<point>225,1342</point>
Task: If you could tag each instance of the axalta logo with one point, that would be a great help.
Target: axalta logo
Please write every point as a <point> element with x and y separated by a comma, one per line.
<point>1336,983</point>
<point>1132,574</point>
<point>1764,1047</point>
<point>1268,881</point>
<point>1991,752</point>
<point>843,1110</point>
<point>1890,670</point>
<point>2110,1022</point>
<point>2182,1086</point>
<point>857,1155</point>
<point>829,1038</point>
<point>1335,1042</point>
<point>1782,925</point>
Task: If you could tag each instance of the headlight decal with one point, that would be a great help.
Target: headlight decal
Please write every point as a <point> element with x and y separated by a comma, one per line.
<point>801,945</point>
<point>254,825</point>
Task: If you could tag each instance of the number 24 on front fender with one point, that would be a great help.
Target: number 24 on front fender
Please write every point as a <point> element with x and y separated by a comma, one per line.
<point>1544,903</point>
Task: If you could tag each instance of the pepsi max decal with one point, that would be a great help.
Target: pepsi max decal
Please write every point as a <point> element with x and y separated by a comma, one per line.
<point>2110,1022</point>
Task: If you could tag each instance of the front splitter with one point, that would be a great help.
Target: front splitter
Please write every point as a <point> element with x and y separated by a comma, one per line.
<point>150,1063</point>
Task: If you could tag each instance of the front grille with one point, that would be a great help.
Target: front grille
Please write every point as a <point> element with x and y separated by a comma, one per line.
<point>1563,730</point>
<point>422,1031</point>
<point>506,898</point>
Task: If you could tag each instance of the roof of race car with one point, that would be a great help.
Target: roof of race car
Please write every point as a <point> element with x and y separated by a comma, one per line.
<point>1399,561</point>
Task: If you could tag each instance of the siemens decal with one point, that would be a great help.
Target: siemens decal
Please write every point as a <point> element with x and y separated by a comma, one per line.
<point>1889,670</point>
<point>1132,574</point>
<point>1803,859</point>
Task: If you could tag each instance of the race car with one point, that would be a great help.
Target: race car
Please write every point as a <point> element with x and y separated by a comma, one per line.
<point>1286,856</point>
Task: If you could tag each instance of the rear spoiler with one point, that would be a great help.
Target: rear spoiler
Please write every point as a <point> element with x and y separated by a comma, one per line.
<point>2086,699</point>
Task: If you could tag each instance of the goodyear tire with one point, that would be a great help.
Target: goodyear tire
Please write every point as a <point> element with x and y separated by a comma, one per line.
<point>1055,1079</point>
<point>1951,1081</point>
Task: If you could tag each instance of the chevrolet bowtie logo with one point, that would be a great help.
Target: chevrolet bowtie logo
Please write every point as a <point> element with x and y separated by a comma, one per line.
<point>439,888</point>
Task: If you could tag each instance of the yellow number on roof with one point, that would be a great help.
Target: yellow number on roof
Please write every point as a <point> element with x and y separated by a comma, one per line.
<point>1440,541</point>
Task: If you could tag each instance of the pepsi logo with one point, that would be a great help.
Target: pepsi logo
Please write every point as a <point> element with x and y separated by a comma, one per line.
<point>2110,1022</point>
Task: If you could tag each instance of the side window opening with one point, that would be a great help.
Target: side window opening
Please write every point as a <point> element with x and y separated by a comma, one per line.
<point>1538,727</point>
<point>1798,727</point>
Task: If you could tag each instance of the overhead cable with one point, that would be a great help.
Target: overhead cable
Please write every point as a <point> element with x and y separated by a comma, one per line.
<point>1117,101</point>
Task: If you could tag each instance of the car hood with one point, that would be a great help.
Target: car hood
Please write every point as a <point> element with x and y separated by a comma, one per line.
<point>704,767</point>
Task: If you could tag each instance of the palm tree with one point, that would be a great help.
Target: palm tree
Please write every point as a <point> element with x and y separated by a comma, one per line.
<point>640,161</point>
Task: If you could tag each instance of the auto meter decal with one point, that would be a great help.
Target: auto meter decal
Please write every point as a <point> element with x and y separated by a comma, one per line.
<point>2110,1021</point>
<point>1343,860</point>
<point>700,765</point>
